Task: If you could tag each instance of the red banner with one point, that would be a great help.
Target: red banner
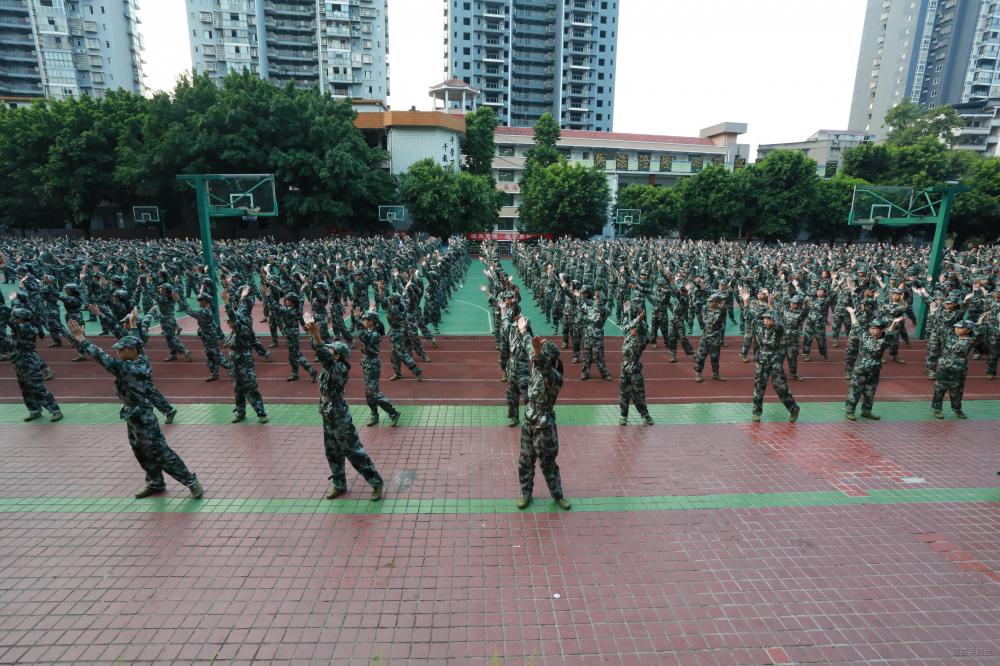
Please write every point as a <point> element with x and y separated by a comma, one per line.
<point>506,236</point>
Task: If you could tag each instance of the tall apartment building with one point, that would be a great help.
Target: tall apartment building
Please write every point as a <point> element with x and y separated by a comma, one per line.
<point>340,46</point>
<point>932,52</point>
<point>529,57</point>
<point>68,48</point>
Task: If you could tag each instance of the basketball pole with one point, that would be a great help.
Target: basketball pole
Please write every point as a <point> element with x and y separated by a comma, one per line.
<point>205,227</point>
<point>937,249</point>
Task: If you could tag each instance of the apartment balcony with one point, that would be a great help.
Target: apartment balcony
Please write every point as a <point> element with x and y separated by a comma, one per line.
<point>975,131</point>
<point>494,57</point>
<point>291,56</point>
<point>295,72</point>
<point>343,78</point>
<point>580,22</point>
<point>337,31</point>
<point>23,88</point>
<point>16,23</point>
<point>579,65</point>
<point>298,27</point>
<point>26,57</point>
<point>294,11</point>
<point>578,108</point>
<point>300,41</point>
<point>20,73</point>
<point>495,28</point>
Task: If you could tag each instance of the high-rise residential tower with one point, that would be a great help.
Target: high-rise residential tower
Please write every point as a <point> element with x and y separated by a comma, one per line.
<point>68,48</point>
<point>932,52</point>
<point>339,46</point>
<point>529,57</point>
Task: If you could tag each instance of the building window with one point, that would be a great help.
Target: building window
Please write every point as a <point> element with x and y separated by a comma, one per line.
<point>505,150</point>
<point>505,176</point>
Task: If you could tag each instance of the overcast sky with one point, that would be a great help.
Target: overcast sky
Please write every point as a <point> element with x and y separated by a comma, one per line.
<point>784,67</point>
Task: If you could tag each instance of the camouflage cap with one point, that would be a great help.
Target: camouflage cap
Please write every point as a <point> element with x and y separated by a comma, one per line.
<point>204,298</point>
<point>550,350</point>
<point>341,348</point>
<point>128,342</point>
<point>370,315</point>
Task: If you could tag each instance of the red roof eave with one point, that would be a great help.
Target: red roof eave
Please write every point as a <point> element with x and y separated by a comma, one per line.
<point>611,136</point>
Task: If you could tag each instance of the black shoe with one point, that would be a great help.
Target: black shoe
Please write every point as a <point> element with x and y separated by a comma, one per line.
<point>292,378</point>
<point>146,491</point>
<point>170,416</point>
<point>313,375</point>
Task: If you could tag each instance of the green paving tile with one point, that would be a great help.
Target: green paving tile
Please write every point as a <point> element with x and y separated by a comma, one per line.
<point>453,506</point>
<point>485,416</point>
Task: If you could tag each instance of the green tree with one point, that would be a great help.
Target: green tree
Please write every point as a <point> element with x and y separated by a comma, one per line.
<point>563,199</point>
<point>660,208</point>
<point>479,204</point>
<point>26,135</point>
<point>713,200</point>
<point>544,152</point>
<point>872,162</point>
<point>432,196</point>
<point>976,214</point>
<point>479,145</point>
<point>784,185</point>
<point>910,123</point>
<point>831,208</point>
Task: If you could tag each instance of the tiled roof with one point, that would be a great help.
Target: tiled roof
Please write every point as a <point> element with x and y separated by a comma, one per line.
<point>611,136</point>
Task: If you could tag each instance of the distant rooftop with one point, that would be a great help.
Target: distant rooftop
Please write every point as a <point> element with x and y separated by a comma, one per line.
<point>611,136</point>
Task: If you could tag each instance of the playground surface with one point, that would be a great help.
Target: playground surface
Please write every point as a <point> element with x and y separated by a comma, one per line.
<point>703,539</point>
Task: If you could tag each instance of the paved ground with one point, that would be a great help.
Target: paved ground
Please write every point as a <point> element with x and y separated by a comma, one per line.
<point>704,539</point>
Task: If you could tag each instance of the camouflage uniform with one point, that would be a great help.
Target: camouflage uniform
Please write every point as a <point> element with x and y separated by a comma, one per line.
<point>952,371</point>
<point>661,311</point>
<point>506,322</point>
<point>340,438</point>
<point>400,353</point>
<point>991,336</point>
<point>168,324</point>
<point>632,388</point>
<point>210,335</point>
<point>241,343</point>
<point>676,327</point>
<point>144,434</point>
<point>517,370</point>
<point>940,324</point>
<point>867,371</point>
<point>593,316</point>
<point>751,320</point>
<point>792,321</point>
<point>371,367</point>
<point>815,326</point>
<point>714,324</point>
<point>845,298</point>
<point>29,367</point>
<point>288,320</point>
<point>769,367</point>
<point>539,436</point>
<point>864,314</point>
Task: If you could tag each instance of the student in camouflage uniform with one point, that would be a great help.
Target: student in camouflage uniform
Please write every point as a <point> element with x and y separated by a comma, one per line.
<point>991,335</point>
<point>868,367</point>
<point>859,324</point>
<point>953,367</point>
<point>400,353</point>
<point>319,299</point>
<point>714,324</point>
<point>844,297</point>
<point>165,305</point>
<point>518,364</point>
<point>815,325</point>
<point>29,368</point>
<point>769,366</point>
<point>677,329</point>
<point>751,311</point>
<point>241,342</point>
<point>507,317</point>
<point>632,389</point>
<point>661,314</point>
<point>793,317</point>
<point>144,434</point>
<point>940,322</point>
<point>208,332</point>
<point>289,314</point>
<point>539,436</point>
<point>340,438</point>
<point>370,332</point>
<point>50,296</point>
<point>73,303</point>
<point>593,315</point>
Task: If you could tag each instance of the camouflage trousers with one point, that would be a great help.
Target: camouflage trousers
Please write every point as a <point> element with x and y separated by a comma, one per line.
<point>517,390</point>
<point>337,325</point>
<point>432,312</point>
<point>340,442</point>
<point>170,333</point>
<point>57,330</point>
<point>771,369</point>
<point>421,323</point>
<point>151,450</point>
<point>851,353</point>
<point>556,316</point>
<point>245,387</point>
<point>400,353</point>
<point>992,357</point>
<point>814,331</point>
<point>792,351</point>
<point>863,385</point>
<point>748,339</point>
<point>371,367</point>
<point>213,356</point>
<point>710,347</point>
<point>593,352</point>
<point>677,332</point>
<point>542,445</point>
<point>933,351</point>
<point>951,382</point>
<point>632,390</point>
<point>295,355</point>
<point>841,320</point>
<point>413,341</point>
<point>157,399</point>
<point>29,369</point>
<point>660,326</point>
<point>573,335</point>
